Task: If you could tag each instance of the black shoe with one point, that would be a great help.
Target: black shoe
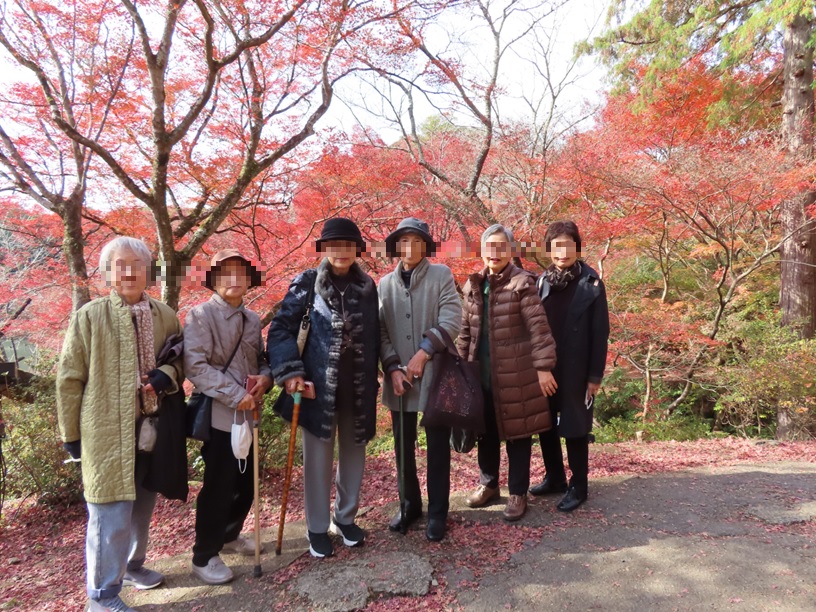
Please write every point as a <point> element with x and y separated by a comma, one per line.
<point>574,498</point>
<point>435,532</point>
<point>411,515</point>
<point>320,544</point>
<point>352,535</point>
<point>548,487</point>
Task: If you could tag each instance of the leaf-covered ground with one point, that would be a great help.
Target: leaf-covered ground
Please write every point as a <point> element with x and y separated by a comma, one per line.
<point>42,550</point>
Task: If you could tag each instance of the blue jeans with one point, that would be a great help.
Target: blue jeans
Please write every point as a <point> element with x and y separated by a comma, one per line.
<point>116,541</point>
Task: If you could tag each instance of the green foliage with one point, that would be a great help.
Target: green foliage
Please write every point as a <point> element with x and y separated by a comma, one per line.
<point>635,278</point>
<point>33,450</point>
<point>620,396</point>
<point>273,435</point>
<point>384,442</point>
<point>767,371</point>
<point>665,34</point>
<point>678,427</point>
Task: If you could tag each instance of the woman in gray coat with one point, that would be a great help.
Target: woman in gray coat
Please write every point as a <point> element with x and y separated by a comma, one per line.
<point>417,300</point>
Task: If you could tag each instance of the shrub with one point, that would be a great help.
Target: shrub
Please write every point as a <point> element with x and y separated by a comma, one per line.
<point>620,396</point>
<point>33,450</point>
<point>770,374</point>
<point>678,427</point>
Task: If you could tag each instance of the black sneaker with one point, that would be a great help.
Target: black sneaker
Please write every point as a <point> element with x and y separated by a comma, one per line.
<point>352,534</point>
<point>320,544</point>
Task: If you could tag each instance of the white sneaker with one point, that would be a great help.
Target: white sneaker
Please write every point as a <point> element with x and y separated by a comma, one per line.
<point>241,546</point>
<point>215,572</point>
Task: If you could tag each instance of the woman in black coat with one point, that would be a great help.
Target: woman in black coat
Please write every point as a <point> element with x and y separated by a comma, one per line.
<point>575,300</point>
<point>341,358</point>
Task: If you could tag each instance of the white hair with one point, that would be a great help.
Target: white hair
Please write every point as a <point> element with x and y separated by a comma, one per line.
<point>498,228</point>
<point>118,245</point>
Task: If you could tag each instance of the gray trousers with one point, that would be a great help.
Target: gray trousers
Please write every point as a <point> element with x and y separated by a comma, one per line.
<point>116,541</point>
<point>318,456</point>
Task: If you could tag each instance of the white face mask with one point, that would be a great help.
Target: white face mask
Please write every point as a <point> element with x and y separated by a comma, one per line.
<point>241,440</point>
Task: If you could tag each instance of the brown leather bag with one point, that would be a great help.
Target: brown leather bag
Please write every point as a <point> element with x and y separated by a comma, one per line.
<point>456,399</point>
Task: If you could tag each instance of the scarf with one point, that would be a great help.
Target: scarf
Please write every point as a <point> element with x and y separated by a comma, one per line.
<point>558,278</point>
<point>145,351</point>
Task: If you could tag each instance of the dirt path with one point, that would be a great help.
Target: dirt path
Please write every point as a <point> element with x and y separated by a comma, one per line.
<point>740,537</point>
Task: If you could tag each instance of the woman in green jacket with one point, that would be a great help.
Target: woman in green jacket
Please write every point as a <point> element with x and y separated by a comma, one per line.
<point>107,383</point>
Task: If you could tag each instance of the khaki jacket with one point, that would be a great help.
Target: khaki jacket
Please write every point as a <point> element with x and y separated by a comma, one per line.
<point>96,391</point>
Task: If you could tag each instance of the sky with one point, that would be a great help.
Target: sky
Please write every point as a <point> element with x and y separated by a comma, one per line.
<point>581,82</point>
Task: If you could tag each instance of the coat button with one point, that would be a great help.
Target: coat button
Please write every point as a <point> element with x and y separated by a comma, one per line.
<point>408,337</point>
<point>407,315</point>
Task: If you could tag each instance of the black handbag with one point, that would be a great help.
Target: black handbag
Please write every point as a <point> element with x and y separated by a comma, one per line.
<point>199,416</point>
<point>199,407</point>
<point>462,440</point>
<point>455,399</point>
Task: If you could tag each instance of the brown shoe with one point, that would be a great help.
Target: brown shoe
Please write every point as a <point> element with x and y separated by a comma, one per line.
<point>482,496</point>
<point>516,507</point>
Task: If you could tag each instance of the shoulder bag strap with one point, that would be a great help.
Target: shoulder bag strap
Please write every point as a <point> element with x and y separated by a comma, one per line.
<point>306,321</point>
<point>237,346</point>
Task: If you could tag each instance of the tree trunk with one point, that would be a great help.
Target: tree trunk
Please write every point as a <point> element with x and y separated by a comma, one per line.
<point>173,271</point>
<point>73,248</point>
<point>798,272</point>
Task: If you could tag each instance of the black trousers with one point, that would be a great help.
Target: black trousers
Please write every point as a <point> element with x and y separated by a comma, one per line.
<point>438,470</point>
<point>489,454</point>
<point>224,500</point>
<point>577,455</point>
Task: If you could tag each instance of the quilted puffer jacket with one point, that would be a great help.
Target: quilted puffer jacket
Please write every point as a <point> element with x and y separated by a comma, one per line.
<point>520,345</point>
<point>96,391</point>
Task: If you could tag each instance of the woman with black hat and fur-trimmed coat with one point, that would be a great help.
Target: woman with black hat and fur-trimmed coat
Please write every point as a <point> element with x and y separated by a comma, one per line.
<point>341,358</point>
<point>213,331</point>
<point>418,300</point>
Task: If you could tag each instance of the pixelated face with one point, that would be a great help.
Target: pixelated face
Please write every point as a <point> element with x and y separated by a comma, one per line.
<point>411,249</point>
<point>341,254</point>
<point>232,279</point>
<point>496,252</point>
<point>563,251</point>
<point>128,275</point>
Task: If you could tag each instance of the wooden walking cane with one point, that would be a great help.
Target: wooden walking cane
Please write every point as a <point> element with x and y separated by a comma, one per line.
<point>256,417</point>
<point>290,458</point>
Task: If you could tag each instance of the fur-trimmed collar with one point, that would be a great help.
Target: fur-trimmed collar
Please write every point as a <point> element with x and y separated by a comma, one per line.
<point>358,279</point>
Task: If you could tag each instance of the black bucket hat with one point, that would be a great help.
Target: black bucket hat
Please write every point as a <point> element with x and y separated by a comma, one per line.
<point>257,277</point>
<point>410,226</point>
<point>340,228</point>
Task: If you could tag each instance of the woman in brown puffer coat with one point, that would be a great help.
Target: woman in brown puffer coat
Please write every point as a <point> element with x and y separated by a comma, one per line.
<point>505,329</point>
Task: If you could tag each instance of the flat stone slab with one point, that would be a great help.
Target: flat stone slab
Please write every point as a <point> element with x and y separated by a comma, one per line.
<point>183,591</point>
<point>337,587</point>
